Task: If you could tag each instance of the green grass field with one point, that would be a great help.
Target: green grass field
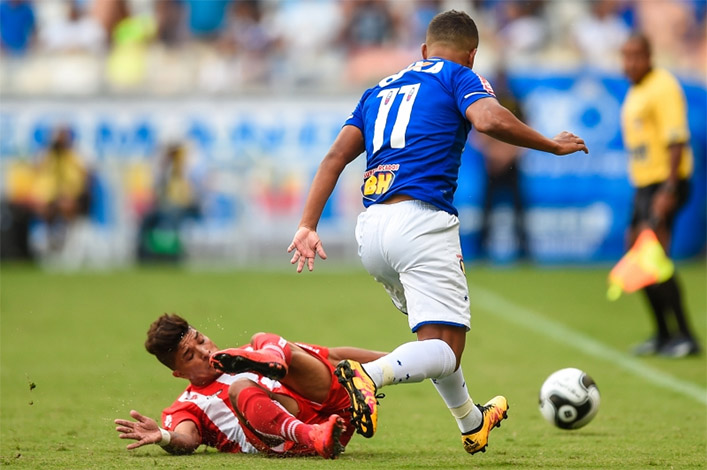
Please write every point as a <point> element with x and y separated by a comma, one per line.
<point>73,360</point>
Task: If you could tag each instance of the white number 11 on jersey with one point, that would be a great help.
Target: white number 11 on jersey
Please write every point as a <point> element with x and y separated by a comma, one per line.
<point>388,96</point>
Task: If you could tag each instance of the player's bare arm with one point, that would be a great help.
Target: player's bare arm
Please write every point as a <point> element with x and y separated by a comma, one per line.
<point>338,354</point>
<point>489,117</point>
<point>665,200</point>
<point>183,440</point>
<point>306,243</point>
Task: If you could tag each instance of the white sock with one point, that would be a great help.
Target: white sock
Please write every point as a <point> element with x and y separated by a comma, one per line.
<point>413,362</point>
<point>453,391</point>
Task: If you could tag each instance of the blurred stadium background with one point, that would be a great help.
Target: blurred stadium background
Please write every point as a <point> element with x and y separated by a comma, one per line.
<point>201,123</point>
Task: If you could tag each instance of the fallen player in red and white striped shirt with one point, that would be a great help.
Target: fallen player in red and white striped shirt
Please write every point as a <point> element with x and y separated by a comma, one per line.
<point>276,397</point>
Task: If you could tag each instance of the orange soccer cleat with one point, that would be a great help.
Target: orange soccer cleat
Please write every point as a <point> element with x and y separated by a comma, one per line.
<point>325,437</point>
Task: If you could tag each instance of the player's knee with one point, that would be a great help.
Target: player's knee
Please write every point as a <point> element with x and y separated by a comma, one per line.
<point>237,387</point>
<point>254,338</point>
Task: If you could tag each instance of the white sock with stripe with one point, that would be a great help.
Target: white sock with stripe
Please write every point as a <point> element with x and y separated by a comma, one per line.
<point>413,362</point>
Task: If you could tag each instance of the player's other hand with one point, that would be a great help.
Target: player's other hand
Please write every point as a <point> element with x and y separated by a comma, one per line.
<point>568,143</point>
<point>144,430</point>
<point>305,245</point>
<point>664,203</point>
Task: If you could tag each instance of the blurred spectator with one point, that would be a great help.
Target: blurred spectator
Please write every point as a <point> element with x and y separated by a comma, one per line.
<point>75,32</point>
<point>206,19</point>
<point>503,174</point>
<point>108,13</point>
<point>17,26</point>
<point>523,32</point>
<point>127,63</point>
<point>368,23</point>
<point>672,28</point>
<point>61,190</point>
<point>371,39</point>
<point>16,211</point>
<point>246,31</point>
<point>169,17</point>
<point>176,200</point>
<point>416,24</point>
<point>250,42</point>
<point>626,9</point>
<point>600,35</point>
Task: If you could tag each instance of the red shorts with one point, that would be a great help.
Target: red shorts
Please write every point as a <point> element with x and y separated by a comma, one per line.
<point>337,402</point>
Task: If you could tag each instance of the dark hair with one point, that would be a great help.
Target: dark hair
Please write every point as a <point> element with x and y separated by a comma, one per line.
<point>455,28</point>
<point>164,336</point>
<point>642,39</point>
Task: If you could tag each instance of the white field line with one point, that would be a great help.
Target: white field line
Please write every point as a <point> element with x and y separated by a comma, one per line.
<point>528,319</point>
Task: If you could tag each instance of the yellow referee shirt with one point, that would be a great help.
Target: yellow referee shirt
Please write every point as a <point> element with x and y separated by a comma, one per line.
<point>654,116</point>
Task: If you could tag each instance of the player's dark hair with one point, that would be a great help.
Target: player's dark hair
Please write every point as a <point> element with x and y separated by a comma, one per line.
<point>455,28</point>
<point>164,336</point>
<point>641,38</point>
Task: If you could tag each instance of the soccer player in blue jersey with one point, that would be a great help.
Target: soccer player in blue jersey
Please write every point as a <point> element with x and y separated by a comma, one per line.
<point>413,126</point>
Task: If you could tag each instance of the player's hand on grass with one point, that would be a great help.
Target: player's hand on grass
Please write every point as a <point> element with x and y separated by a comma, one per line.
<point>144,430</point>
<point>306,245</point>
<point>568,143</point>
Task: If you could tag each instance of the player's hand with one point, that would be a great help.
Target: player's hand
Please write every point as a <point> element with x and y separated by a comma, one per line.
<point>144,430</point>
<point>664,203</point>
<point>306,245</point>
<point>568,143</point>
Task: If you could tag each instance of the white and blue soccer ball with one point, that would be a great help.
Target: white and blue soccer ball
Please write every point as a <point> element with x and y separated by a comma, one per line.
<point>569,398</point>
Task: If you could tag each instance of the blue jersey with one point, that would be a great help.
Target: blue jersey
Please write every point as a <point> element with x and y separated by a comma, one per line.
<point>414,127</point>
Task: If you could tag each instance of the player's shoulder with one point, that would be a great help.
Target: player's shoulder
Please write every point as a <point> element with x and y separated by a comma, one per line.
<point>454,70</point>
<point>463,74</point>
<point>661,79</point>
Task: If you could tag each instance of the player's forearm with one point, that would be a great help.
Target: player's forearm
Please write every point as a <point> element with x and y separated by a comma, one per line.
<point>322,186</point>
<point>180,444</point>
<point>340,353</point>
<point>675,155</point>
<point>502,125</point>
<point>347,146</point>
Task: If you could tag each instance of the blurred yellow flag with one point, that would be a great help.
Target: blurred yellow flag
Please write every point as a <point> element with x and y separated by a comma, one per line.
<point>644,264</point>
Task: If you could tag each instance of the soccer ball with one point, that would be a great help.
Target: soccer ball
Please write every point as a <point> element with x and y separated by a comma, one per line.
<point>569,399</point>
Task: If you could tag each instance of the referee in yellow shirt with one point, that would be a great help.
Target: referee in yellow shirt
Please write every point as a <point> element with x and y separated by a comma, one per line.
<point>656,136</point>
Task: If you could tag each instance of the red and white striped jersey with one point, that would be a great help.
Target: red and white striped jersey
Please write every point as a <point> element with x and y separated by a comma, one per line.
<point>210,409</point>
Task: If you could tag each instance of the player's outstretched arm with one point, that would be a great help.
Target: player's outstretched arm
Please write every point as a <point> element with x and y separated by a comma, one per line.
<point>306,243</point>
<point>339,353</point>
<point>489,117</point>
<point>183,440</point>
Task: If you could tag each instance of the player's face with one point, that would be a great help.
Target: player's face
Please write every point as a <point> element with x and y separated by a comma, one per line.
<point>636,60</point>
<point>192,359</point>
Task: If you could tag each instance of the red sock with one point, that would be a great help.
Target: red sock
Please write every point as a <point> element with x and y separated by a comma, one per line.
<point>269,417</point>
<point>273,343</point>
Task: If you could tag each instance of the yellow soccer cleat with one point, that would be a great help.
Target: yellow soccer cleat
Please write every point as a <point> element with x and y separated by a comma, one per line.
<point>362,392</point>
<point>493,412</point>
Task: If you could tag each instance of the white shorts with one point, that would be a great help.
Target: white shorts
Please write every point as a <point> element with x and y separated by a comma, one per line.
<point>413,249</point>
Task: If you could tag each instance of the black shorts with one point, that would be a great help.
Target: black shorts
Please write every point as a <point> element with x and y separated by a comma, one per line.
<point>643,200</point>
